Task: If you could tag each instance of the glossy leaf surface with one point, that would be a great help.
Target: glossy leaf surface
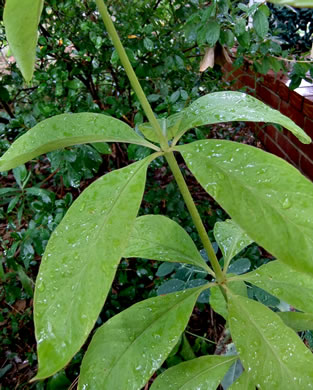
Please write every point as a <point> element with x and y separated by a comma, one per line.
<point>294,3</point>
<point>272,353</point>
<point>293,287</point>
<point>131,346</point>
<point>66,130</point>
<point>203,373</point>
<point>267,197</point>
<point>297,321</point>
<point>80,262</point>
<point>157,237</point>
<point>232,106</point>
<point>21,19</point>
<point>243,383</point>
<point>230,238</point>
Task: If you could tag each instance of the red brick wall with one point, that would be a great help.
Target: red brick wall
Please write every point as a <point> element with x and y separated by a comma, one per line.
<point>273,91</point>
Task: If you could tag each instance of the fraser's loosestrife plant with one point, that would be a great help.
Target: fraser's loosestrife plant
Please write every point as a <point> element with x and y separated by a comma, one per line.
<point>268,200</point>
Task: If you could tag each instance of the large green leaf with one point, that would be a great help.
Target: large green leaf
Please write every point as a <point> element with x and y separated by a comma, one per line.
<point>65,130</point>
<point>297,321</point>
<point>267,197</point>
<point>243,383</point>
<point>21,19</point>
<point>205,372</point>
<point>285,283</point>
<point>294,3</point>
<point>131,346</point>
<point>232,106</point>
<point>230,238</point>
<point>272,353</point>
<point>157,237</point>
<point>80,262</point>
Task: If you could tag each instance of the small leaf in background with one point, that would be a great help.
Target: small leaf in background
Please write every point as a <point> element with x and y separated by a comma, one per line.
<point>294,3</point>
<point>148,44</point>
<point>171,286</point>
<point>239,266</point>
<point>102,147</point>
<point>243,383</point>
<point>260,23</point>
<point>131,346</point>
<point>157,237</point>
<point>186,350</point>
<point>212,32</point>
<point>285,283</point>
<point>231,239</point>
<point>21,21</point>
<point>20,174</point>
<point>165,269</point>
<point>263,296</point>
<point>297,321</point>
<point>205,372</point>
<point>59,381</point>
<point>232,374</point>
<point>272,353</point>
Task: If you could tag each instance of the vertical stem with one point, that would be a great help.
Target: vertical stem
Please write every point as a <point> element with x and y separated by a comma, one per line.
<point>194,215</point>
<point>130,72</point>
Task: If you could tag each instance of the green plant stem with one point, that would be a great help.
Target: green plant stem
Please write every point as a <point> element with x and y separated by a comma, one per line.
<point>200,337</point>
<point>194,215</point>
<point>130,72</point>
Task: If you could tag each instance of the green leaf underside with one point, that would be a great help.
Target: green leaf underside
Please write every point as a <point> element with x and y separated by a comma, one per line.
<point>294,3</point>
<point>293,287</point>
<point>21,19</point>
<point>232,106</point>
<point>243,383</point>
<point>267,197</point>
<point>217,300</point>
<point>297,321</point>
<point>157,237</point>
<point>80,262</point>
<point>273,354</point>
<point>231,239</point>
<point>65,130</point>
<point>203,373</point>
<point>130,347</point>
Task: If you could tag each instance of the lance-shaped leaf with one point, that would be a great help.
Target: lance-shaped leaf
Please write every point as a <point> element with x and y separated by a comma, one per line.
<point>297,321</point>
<point>205,372</point>
<point>294,3</point>
<point>131,346</point>
<point>168,125</point>
<point>80,262</point>
<point>21,19</point>
<point>157,237</point>
<point>66,130</point>
<point>293,287</point>
<point>243,383</point>
<point>231,239</point>
<point>232,106</point>
<point>273,354</point>
<point>267,197</point>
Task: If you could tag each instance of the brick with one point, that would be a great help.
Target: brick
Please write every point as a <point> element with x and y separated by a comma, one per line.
<point>272,132</point>
<point>283,91</point>
<point>305,149</point>
<point>271,81</point>
<point>272,147</point>
<point>248,81</point>
<point>260,135</point>
<point>292,113</point>
<point>308,126</point>
<point>290,149</point>
<point>296,100</point>
<point>307,108</point>
<point>267,96</point>
<point>306,166</point>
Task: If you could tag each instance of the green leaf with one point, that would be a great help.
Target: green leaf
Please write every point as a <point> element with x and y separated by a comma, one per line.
<point>239,266</point>
<point>260,23</point>
<point>80,262</point>
<point>102,147</point>
<point>243,383</point>
<point>168,125</point>
<point>205,372</point>
<point>297,321</point>
<point>212,32</point>
<point>294,3</point>
<point>217,300</point>
<point>131,346</point>
<point>267,197</point>
<point>231,239</point>
<point>232,106</point>
<point>156,237</point>
<point>21,19</point>
<point>285,283</point>
<point>65,130</point>
<point>272,353</point>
